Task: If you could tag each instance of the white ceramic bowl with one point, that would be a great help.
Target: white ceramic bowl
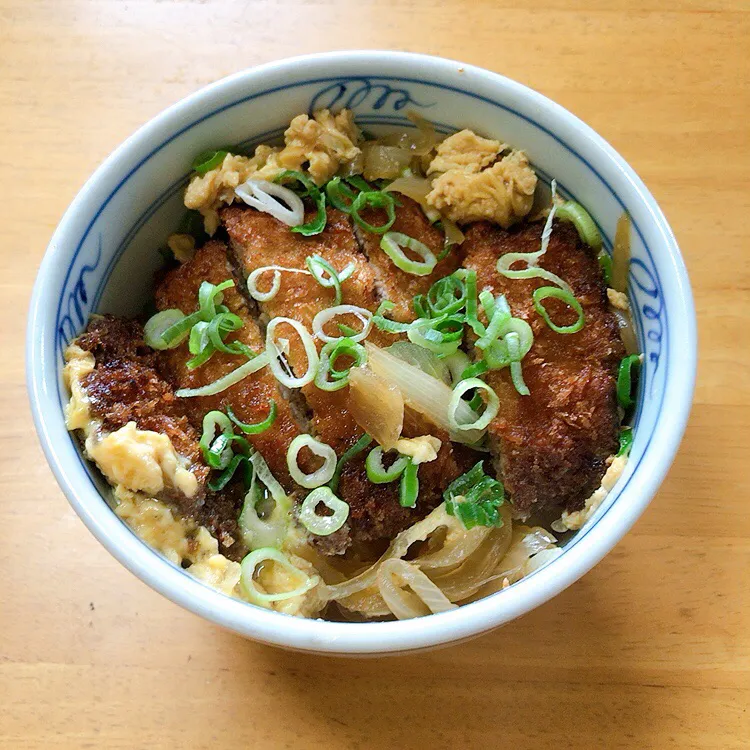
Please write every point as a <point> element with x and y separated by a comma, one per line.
<point>103,254</point>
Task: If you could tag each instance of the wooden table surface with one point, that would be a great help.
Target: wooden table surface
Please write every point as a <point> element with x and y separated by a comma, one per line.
<point>650,650</point>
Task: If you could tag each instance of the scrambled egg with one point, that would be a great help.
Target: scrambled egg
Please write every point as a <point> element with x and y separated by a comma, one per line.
<point>502,193</point>
<point>140,460</point>
<point>325,142</point>
<point>180,540</point>
<point>78,364</point>
<point>618,300</point>
<point>574,521</point>
<point>182,246</point>
<point>465,151</point>
<point>421,449</point>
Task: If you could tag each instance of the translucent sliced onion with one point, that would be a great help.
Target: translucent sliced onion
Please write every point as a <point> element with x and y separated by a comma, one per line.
<point>319,476</point>
<point>526,542</point>
<point>425,360</point>
<point>376,405</point>
<point>327,315</point>
<point>424,597</point>
<point>384,162</point>
<point>627,331</point>
<point>412,187</point>
<point>452,233</point>
<point>425,394</point>
<point>263,195</point>
<point>265,555</point>
<point>274,352</point>
<point>252,281</point>
<point>323,525</point>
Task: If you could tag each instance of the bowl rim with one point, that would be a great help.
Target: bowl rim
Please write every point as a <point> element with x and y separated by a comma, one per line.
<point>375,637</point>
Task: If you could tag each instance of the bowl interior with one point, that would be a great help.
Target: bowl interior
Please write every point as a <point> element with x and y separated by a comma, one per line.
<point>104,255</point>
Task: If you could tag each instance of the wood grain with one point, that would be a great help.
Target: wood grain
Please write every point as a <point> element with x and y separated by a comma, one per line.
<point>650,650</point>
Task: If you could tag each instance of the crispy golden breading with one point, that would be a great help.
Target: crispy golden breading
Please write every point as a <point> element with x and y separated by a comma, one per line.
<point>394,284</point>
<point>551,446</point>
<point>258,240</point>
<point>125,387</point>
<point>250,398</point>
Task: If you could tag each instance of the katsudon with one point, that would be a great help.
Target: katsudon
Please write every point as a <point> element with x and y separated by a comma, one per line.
<point>381,372</point>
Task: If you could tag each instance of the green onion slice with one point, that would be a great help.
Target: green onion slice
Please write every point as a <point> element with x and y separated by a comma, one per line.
<point>157,325</point>
<point>605,263</point>
<point>584,224</point>
<point>252,281</point>
<point>377,473</point>
<point>498,314</point>
<point>545,292</point>
<point>321,475</point>
<point>409,488</point>
<point>364,442</point>
<point>258,427</point>
<point>513,343</point>
<point>228,380</point>
<point>318,224</point>
<point>325,316</point>
<point>338,193</point>
<point>216,455</point>
<point>208,160</point>
<point>323,525</point>
<point>264,555</point>
<point>330,352</point>
<point>374,199</point>
<point>319,267</point>
<point>627,380</point>
<point>386,324</point>
<point>274,354</point>
<point>474,498</point>
<point>392,245</point>
<point>447,296</point>
<point>490,411</point>
<point>626,441</point>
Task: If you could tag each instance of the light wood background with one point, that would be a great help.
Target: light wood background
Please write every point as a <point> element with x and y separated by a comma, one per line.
<point>650,650</point>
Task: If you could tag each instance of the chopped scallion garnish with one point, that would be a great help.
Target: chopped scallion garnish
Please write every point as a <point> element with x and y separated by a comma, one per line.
<point>377,473</point>
<point>546,292</point>
<point>208,160</point>
<point>627,380</point>
<point>474,498</point>
<point>409,488</point>
<point>364,442</point>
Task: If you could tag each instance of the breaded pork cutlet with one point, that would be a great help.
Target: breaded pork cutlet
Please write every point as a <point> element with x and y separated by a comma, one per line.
<point>259,240</point>
<point>394,284</point>
<point>551,446</point>
<point>250,398</point>
<point>126,387</point>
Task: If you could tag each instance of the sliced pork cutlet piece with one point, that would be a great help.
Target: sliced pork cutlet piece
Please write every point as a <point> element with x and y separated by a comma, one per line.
<point>126,387</point>
<point>551,446</point>
<point>250,398</point>
<point>260,240</point>
<point>394,284</point>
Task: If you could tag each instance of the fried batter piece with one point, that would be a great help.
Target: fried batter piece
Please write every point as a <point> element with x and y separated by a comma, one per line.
<point>250,398</point>
<point>551,446</point>
<point>394,284</point>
